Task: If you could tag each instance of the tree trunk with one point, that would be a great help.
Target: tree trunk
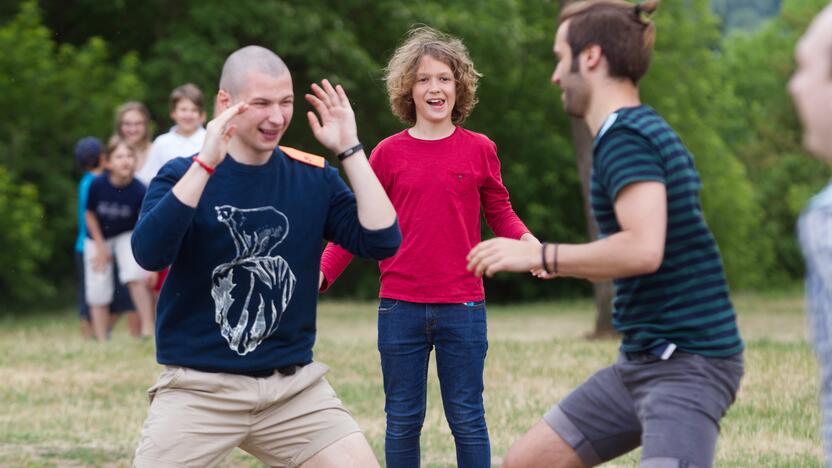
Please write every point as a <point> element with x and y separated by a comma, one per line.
<point>582,140</point>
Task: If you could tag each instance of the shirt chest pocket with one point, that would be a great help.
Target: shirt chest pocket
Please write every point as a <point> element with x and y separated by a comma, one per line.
<point>461,183</point>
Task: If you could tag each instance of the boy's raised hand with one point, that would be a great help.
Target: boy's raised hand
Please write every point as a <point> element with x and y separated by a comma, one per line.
<point>218,132</point>
<point>336,129</point>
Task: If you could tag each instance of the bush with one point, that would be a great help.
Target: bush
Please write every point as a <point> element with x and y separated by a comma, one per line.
<point>52,95</point>
<point>24,245</point>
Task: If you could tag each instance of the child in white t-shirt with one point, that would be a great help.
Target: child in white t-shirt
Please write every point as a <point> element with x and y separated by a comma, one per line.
<point>184,138</point>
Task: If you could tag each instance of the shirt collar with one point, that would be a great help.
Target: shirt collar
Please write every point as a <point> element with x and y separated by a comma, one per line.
<point>608,122</point>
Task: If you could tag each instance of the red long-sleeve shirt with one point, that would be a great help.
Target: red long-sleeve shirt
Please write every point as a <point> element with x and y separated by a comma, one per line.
<point>437,188</point>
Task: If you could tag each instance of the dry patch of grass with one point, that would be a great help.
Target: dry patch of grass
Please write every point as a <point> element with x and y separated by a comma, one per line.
<point>70,402</point>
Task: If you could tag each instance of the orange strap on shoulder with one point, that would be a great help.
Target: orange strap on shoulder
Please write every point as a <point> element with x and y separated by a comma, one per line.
<point>304,157</point>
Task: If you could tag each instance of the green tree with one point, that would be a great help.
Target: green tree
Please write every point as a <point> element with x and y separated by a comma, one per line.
<point>52,95</point>
<point>719,111</point>
<point>21,225</point>
<point>764,132</point>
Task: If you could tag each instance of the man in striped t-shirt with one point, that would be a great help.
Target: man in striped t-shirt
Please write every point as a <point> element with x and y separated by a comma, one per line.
<point>811,88</point>
<point>681,353</point>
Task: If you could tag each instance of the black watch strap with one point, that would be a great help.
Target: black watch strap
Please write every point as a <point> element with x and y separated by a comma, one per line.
<point>350,151</point>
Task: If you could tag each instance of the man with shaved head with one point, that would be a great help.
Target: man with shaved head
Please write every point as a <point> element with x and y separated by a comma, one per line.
<point>811,89</point>
<point>241,225</point>
<point>246,60</point>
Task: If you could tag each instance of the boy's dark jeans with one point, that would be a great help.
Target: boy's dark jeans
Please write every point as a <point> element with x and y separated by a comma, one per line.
<point>406,334</point>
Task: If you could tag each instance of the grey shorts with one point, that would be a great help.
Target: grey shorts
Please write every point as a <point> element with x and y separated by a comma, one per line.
<point>671,408</point>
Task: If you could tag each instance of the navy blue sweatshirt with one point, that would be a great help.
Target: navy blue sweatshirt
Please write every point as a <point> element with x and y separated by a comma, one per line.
<point>242,290</point>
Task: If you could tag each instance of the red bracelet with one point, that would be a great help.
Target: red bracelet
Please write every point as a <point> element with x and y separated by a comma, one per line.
<point>210,170</point>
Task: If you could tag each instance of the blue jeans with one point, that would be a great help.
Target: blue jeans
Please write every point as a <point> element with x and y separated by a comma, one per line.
<point>406,334</point>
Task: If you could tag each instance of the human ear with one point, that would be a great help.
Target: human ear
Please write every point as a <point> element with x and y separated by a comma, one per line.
<point>592,56</point>
<point>222,102</point>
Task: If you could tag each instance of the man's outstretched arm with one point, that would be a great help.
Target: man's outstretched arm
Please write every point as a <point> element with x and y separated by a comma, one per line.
<point>638,249</point>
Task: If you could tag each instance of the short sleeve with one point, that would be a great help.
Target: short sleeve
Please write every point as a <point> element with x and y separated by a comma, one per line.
<point>93,195</point>
<point>624,157</point>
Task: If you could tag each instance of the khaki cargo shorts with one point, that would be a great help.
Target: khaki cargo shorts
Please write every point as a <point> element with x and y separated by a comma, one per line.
<point>196,418</point>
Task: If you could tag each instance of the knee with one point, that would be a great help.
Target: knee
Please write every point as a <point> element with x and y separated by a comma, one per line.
<point>466,417</point>
<point>469,426</point>
<point>514,459</point>
<point>403,427</point>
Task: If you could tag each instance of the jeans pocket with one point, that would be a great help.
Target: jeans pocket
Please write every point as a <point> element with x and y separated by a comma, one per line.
<point>731,368</point>
<point>387,305</point>
<point>476,323</point>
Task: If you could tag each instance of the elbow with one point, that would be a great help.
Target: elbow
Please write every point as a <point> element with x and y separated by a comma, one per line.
<point>388,248</point>
<point>144,254</point>
<point>650,261</point>
<point>382,252</point>
<point>141,258</point>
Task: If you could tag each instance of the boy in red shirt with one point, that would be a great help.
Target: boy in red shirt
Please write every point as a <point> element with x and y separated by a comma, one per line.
<point>438,175</point>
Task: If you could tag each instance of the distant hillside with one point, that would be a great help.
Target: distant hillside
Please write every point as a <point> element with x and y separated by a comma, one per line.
<point>745,14</point>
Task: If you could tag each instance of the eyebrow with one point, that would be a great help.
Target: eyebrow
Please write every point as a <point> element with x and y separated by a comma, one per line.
<point>269,100</point>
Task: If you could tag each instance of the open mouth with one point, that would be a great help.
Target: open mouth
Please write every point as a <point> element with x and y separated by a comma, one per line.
<point>269,133</point>
<point>436,103</point>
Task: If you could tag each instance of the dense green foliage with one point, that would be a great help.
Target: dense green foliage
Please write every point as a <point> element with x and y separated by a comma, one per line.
<point>763,133</point>
<point>21,228</point>
<point>65,67</point>
<point>50,95</point>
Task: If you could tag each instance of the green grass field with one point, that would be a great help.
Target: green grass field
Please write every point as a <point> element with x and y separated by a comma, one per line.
<point>71,402</point>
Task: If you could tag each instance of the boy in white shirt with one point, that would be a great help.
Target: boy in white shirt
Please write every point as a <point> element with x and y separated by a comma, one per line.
<point>184,138</point>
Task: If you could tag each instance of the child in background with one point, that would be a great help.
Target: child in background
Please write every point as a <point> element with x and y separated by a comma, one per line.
<point>113,205</point>
<point>89,155</point>
<point>184,138</point>
<point>438,175</point>
<point>133,126</point>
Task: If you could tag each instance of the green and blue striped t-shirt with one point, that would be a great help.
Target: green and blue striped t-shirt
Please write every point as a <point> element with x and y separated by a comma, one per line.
<point>685,302</point>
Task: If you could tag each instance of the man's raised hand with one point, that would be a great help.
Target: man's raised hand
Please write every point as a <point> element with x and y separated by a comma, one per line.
<point>218,132</point>
<point>334,126</point>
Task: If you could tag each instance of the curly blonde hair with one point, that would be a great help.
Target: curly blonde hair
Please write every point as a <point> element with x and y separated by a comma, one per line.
<point>400,73</point>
